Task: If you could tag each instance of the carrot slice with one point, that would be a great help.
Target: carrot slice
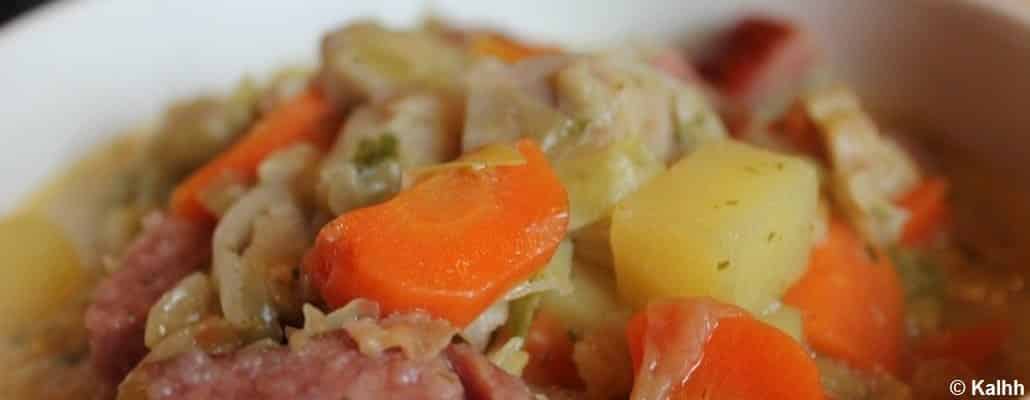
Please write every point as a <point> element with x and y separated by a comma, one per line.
<point>928,209</point>
<point>851,302</point>
<point>307,118</point>
<point>508,50</point>
<point>742,359</point>
<point>452,244</point>
<point>972,346</point>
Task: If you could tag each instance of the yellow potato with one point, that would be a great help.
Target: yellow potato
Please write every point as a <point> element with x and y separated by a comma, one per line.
<point>730,221</point>
<point>41,270</point>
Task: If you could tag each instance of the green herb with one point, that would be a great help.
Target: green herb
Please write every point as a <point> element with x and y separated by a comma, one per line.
<point>751,169</point>
<point>372,151</point>
<point>771,237</point>
<point>919,275</point>
<point>779,166</point>
<point>732,202</point>
<point>723,265</point>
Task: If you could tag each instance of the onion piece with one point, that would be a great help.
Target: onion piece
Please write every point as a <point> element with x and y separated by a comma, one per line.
<point>241,259</point>
<point>187,303</point>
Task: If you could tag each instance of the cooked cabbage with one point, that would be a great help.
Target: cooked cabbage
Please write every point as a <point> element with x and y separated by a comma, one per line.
<point>510,102</point>
<point>367,61</point>
<point>618,96</point>
<point>510,356</point>
<point>596,180</point>
<point>285,84</point>
<point>554,276</point>
<point>379,141</point>
<point>417,334</point>
<point>190,301</point>
<point>491,155</point>
<point>195,130</point>
<point>478,332</point>
<point>261,234</point>
<point>869,170</point>
<point>212,336</point>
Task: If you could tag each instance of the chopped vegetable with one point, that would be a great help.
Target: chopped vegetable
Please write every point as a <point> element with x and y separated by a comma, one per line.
<point>380,141</point>
<point>502,106</point>
<point>972,345</point>
<point>194,131</point>
<point>729,221</point>
<point>592,303</point>
<point>366,61</point>
<point>923,282</point>
<point>307,118</point>
<point>452,244</point>
<point>41,270</point>
<point>841,382</point>
<point>521,316</point>
<point>479,332</point>
<point>211,335</point>
<point>555,276</point>
<point>262,233</point>
<point>928,210</point>
<point>618,96</point>
<point>603,361</point>
<point>510,356</point>
<point>190,301</point>
<point>851,302</point>
<point>868,170</point>
<point>692,348</point>
<point>594,244</point>
<point>596,180</point>
<point>550,353</point>
<point>786,319</point>
<point>492,155</point>
<point>525,298</point>
<point>507,49</point>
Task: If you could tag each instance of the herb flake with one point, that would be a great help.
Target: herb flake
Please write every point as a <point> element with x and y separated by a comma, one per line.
<point>374,150</point>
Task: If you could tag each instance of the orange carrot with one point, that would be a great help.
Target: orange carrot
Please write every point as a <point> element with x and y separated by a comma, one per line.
<point>306,118</point>
<point>851,302</point>
<point>972,346</point>
<point>452,244</point>
<point>928,211</point>
<point>550,354</point>
<point>508,50</point>
<point>742,359</point>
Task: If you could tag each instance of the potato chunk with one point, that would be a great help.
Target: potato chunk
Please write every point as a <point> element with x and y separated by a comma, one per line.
<point>41,271</point>
<point>730,221</point>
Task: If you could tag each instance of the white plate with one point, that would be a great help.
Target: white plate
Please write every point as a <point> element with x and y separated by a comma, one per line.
<point>72,73</point>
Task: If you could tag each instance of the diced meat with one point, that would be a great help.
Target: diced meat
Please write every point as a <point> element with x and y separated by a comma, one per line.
<point>166,251</point>
<point>329,367</point>
<point>482,379</point>
<point>760,56</point>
